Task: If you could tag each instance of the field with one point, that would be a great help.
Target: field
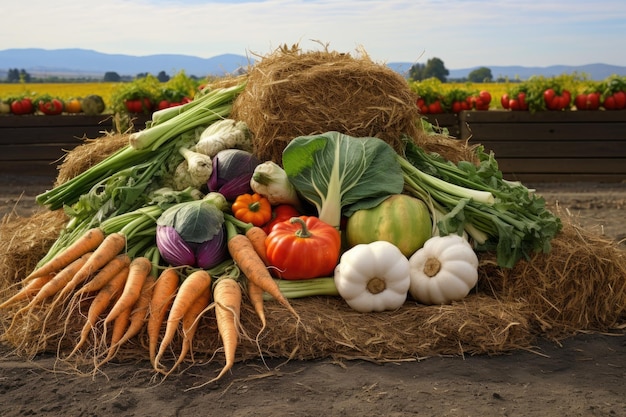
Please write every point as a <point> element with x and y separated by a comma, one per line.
<point>63,91</point>
<point>105,90</point>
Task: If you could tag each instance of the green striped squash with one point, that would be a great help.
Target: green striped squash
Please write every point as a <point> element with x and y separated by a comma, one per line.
<point>400,219</point>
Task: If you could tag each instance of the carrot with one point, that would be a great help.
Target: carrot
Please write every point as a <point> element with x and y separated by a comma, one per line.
<point>30,289</point>
<point>87,242</point>
<point>56,284</point>
<point>138,271</point>
<point>244,255</point>
<point>120,326</point>
<point>137,319</point>
<point>191,320</point>
<point>105,274</point>
<point>257,237</point>
<point>110,247</point>
<point>227,296</point>
<point>99,304</point>
<point>189,290</point>
<point>255,294</point>
<point>162,298</point>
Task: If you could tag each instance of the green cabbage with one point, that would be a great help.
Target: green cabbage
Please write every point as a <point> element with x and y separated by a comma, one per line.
<point>340,174</point>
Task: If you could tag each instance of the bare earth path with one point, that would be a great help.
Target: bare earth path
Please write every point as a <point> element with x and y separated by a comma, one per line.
<point>585,376</point>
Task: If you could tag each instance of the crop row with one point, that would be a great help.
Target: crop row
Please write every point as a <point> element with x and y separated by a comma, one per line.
<point>148,94</point>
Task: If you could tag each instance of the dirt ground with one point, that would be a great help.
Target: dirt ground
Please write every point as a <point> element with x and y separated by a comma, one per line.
<point>582,376</point>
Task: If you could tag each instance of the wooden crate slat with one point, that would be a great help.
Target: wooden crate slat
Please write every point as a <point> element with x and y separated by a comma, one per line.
<point>563,165</point>
<point>556,149</point>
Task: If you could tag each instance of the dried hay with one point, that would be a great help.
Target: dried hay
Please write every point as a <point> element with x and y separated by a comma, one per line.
<point>291,93</point>
<point>25,240</point>
<point>580,284</point>
<point>88,154</point>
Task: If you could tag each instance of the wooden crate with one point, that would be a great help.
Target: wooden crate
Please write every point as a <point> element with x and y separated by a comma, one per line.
<point>566,146</point>
<point>35,144</point>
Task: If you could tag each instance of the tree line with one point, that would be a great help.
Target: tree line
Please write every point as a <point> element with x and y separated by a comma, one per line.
<point>433,68</point>
<point>15,75</point>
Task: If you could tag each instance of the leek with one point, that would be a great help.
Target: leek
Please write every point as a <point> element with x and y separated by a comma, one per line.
<point>501,216</point>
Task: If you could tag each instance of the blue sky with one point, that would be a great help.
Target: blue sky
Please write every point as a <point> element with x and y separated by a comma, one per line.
<point>462,33</point>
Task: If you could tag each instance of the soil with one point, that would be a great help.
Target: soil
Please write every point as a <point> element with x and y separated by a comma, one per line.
<point>581,376</point>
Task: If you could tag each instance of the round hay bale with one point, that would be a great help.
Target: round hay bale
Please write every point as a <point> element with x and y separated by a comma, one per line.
<point>290,93</point>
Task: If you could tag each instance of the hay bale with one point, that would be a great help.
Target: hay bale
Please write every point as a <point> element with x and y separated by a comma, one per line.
<point>84,156</point>
<point>579,285</point>
<point>291,93</point>
<point>25,241</point>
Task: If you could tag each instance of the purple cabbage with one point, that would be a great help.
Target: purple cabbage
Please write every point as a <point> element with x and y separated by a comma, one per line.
<point>232,171</point>
<point>192,234</point>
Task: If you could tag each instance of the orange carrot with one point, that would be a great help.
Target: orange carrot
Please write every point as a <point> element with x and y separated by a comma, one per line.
<point>162,298</point>
<point>138,271</point>
<point>244,255</point>
<point>137,319</point>
<point>89,241</point>
<point>191,320</point>
<point>99,304</point>
<point>255,294</point>
<point>105,274</point>
<point>120,326</point>
<point>140,310</point>
<point>31,288</point>
<point>53,286</point>
<point>110,247</point>
<point>227,296</point>
<point>191,287</point>
<point>257,237</point>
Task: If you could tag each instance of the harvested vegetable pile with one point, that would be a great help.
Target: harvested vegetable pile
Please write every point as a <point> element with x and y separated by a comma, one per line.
<point>557,280</point>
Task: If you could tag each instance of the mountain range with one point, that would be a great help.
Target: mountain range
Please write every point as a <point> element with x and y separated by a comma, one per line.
<point>92,64</point>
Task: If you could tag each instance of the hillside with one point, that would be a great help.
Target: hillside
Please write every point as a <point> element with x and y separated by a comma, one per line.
<point>92,64</point>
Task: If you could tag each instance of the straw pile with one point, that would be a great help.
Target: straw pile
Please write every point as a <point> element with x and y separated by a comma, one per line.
<point>580,285</point>
<point>292,93</point>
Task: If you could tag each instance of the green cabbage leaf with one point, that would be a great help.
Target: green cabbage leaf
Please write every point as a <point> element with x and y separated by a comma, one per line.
<point>340,174</point>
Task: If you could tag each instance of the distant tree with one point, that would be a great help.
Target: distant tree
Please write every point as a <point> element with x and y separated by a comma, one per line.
<point>15,76</point>
<point>111,76</point>
<point>416,72</point>
<point>163,77</point>
<point>141,75</point>
<point>434,68</point>
<point>480,75</point>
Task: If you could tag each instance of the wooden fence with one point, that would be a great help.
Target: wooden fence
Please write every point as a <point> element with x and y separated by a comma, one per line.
<point>532,147</point>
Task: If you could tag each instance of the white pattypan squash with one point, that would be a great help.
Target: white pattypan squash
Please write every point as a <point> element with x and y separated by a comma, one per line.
<point>373,277</point>
<point>445,269</point>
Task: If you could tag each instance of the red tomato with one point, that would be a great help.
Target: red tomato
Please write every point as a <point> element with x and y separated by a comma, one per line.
<point>23,106</point>
<point>457,107</point>
<point>467,104</point>
<point>609,103</point>
<point>620,100</point>
<point>504,101</point>
<point>521,97</point>
<point>514,104</point>
<point>435,107</point>
<point>143,105</point>
<point>163,104</point>
<point>485,96</point>
<point>593,101</point>
<point>50,107</point>
<point>549,98</point>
